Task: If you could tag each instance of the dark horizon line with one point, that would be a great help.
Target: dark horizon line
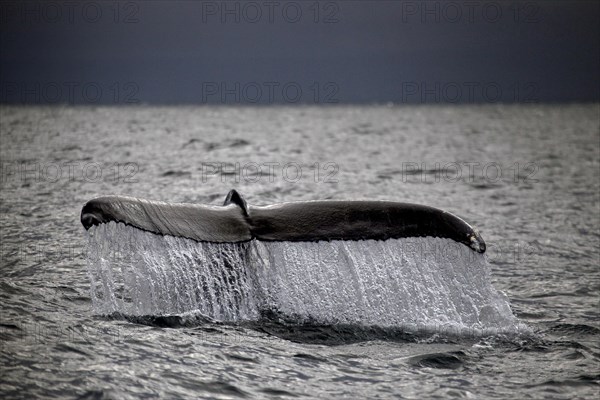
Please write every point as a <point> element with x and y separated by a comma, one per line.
<point>299,104</point>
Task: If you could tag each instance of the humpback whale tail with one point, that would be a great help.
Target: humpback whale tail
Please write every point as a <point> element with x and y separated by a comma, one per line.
<point>310,221</point>
<point>372,263</point>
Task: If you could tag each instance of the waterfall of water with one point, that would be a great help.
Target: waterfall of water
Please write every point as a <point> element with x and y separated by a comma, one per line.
<point>417,282</point>
<point>139,273</point>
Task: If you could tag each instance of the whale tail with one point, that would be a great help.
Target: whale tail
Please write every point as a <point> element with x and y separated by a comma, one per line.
<point>309,221</point>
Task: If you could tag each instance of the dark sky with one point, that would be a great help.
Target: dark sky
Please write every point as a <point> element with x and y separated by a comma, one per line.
<point>303,51</point>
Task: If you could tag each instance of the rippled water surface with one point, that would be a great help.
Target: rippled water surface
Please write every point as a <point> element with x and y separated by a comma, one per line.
<point>525,176</point>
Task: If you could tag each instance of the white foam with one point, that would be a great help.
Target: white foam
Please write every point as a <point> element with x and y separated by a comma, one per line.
<point>423,283</point>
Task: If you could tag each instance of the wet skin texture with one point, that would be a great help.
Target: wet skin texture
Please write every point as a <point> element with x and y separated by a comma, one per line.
<point>309,221</point>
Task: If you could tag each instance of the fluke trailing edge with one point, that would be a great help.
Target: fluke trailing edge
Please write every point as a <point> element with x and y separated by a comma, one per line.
<point>307,221</point>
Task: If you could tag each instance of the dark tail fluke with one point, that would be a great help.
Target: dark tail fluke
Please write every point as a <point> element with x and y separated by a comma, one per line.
<point>236,221</point>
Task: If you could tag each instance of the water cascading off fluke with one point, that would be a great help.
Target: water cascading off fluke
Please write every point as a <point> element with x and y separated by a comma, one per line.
<point>416,283</point>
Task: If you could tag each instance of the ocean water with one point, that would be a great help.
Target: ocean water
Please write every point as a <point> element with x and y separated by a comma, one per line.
<point>118,313</point>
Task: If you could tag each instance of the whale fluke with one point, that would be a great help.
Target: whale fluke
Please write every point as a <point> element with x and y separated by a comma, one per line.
<point>311,221</point>
<point>226,224</point>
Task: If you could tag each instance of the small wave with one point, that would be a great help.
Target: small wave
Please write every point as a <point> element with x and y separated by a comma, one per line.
<point>574,329</point>
<point>229,143</point>
<point>576,381</point>
<point>453,360</point>
<point>176,174</point>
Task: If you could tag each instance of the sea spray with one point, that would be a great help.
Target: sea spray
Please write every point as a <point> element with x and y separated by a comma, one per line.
<point>417,283</point>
